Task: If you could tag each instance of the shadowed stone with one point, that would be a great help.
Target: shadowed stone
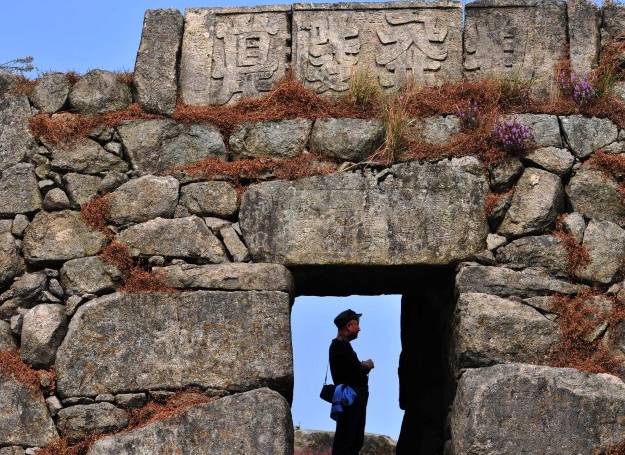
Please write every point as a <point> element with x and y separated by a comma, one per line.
<point>26,289</point>
<point>76,422</point>
<point>224,340</point>
<point>585,135</point>
<point>613,21</point>
<point>155,76</point>
<point>605,243</point>
<point>86,157</point>
<point>237,249</point>
<point>351,218</point>
<point>505,173</point>
<point>42,332</point>
<point>595,194</point>
<point>89,275</point>
<point>7,342</point>
<point>98,92</point>
<point>56,199</point>
<point>256,422</point>
<point>535,251</point>
<point>283,138</point>
<point>584,19</point>
<point>520,408</point>
<point>19,192</point>
<point>11,263</point>
<point>347,139</point>
<point>210,198</point>
<point>552,159</point>
<point>50,93</point>
<point>16,141</point>
<point>316,441</point>
<point>81,188</point>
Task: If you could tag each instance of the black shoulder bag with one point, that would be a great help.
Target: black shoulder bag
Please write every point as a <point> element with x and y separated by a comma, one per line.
<point>327,390</point>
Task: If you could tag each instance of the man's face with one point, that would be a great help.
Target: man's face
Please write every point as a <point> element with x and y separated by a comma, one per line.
<point>353,327</point>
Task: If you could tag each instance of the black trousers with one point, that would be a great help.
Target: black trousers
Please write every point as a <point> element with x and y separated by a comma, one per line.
<point>350,426</point>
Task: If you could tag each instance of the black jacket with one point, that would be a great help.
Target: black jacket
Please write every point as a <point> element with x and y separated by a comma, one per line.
<point>345,366</point>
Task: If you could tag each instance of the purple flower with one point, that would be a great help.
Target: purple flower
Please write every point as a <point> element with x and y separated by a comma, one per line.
<point>580,89</point>
<point>470,118</point>
<point>512,135</point>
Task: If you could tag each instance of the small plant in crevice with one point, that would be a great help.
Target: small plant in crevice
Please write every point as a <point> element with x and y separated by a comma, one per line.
<point>95,213</point>
<point>512,136</point>
<point>11,363</point>
<point>492,199</point>
<point>580,89</point>
<point>470,115</point>
<point>364,90</point>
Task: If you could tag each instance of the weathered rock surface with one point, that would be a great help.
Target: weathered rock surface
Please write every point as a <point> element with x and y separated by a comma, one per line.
<point>224,340</point>
<point>346,138</point>
<point>11,263</point>
<point>490,329</point>
<point>537,200</point>
<point>15,138</point>
<point>26,289</point>
<point>505,173</point>
<point>283,138</point>
<point>210,198</point>
<point>50,93</point>
<point>437,129</point>
<point>81,188</point>
<point>315,441</point>
<point>59,236</point>
<point>585,135</point>
<point>556,160</point>
<point>56,199</point>
<point>605,243</point>
<point>155,146</point>
<point>76,422</point>
<point>520,408</point>
<point>155,76</point>
<point>24,418</point>
<point>98,92</point>
<point>584,19</point>
<point>42,332</point>
<point>185,237</point>
<point>595,194</point>
<point>142,199</point>
<point>535,251</point>
<point>19,192</point>
<point>86,157</point>
<point>545,129</point>
<point>350,218</point>
<point>7,342</point>
<point>506,282</point>
<point>613,20</point>
<point>89,275</point>
<point>256,422</point>
<point>237,249</point>
<point>574,224</point>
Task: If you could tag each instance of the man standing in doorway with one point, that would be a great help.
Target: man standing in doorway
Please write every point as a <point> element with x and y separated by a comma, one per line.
<point>347,369</point>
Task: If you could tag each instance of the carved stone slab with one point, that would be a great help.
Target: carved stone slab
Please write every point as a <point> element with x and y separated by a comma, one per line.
<point>390,41</point>
<point>515,39</point>
<point>229,53</point>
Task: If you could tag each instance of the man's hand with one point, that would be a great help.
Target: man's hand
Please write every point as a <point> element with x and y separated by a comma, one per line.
<point>367,364</point>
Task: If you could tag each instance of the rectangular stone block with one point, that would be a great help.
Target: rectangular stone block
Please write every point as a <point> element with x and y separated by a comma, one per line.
<point>584,35</point>
<point>230,53</point>
<point>390,41</point>
<point>515,39</point>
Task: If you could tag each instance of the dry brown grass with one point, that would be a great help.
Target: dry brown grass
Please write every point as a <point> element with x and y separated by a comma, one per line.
<point>125,77</point>
<point>62,446</point>
<point>611,164</point>
<point>11,363</point>
<point>491,200</point>
<point>23,86</point>
<point>153,410</point>
<point>614,449</point>
<point>577,254</point>
<point>118,254</point>
<point>95,213</point>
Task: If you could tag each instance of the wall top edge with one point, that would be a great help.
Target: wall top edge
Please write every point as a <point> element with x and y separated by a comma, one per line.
<point>377,5</point>
<point>515,3</point>
<point>241,9</point>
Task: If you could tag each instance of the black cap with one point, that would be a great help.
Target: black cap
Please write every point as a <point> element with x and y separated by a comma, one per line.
<point>344,317</point>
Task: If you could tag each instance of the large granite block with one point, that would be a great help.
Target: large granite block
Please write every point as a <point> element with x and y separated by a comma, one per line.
<point>231,53</point>
<point>390,41</point>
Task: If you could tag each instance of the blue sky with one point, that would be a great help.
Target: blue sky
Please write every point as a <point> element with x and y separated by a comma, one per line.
<point>80,35</point>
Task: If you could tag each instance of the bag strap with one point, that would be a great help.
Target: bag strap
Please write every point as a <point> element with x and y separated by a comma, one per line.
<point>325,380</point>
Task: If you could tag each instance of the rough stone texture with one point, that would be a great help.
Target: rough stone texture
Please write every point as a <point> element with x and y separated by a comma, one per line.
<point>585,135</point>
<point>59,236</point>
<point>537,201</point>
<point>86,157</point>
<point>225,340</point>
<point>19,192</point>
<point>142,199</point>
<point>535,251</point>
<point>388,42</point>
<point>574,224</point>
<point>498,212</point>
<point>56,199</point>
<point>350,218</point>
<point>42,332</point>
<point>210,198</point>
<point>256,422</point>
<point>15,138</point>
<point>20,223</point>
<point>130,400</point>
<point>50,93</point>
<point>26,289</point>
<point>81,188</point>
<point>237,249</point>
<point>155,76</point>
<point>320,442</point>
<point>155,146</point>
<point>347,138</point>
<point>595,194</point>
<point>232,53</point>
<point>282,138</point>
<point>490,329</point>
<point>505,282</point>
<point>545,129</point>
<point>89,275</point>
<point>228,277</point>
<point>584,20</point>
<point>605,243</point>
<point>438,129</point>
<point>98,92</point>
<point>494,241</point>
<point>185,237</point>
<point>521,408</point>
<point>80,421</point>
<point>504,174</point>
<point>613,20</point>
<point>7,81</point>
<point>556,160</point>
<point>514,40</point>
<point>7,342</point>
<point>24,418</point>
<point>11,263</point>
<point>13,450</point>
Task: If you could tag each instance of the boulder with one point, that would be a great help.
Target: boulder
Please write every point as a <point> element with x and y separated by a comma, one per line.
<point>98,92</point>
<point>281,138</point>
<point>518,408</point>
<point>237,249</point>
<point>50,92</point>
<point>89,275</point>
<point>574,224</point>
<point>24,418</point>
<point>83,420</point>
<point>545,129</point>
<point>347,139</point>
<point>210,198</point>
<point>81,188</point>
<point>156,146</point>
<point>19,192</point>
<point>538,199</point>
<point>490,329</point>
<point>494,241</point>
<point>11,263</point>
<point>56,199</point>
<point>552,159</point>
<point>142,199</point>
<point>7,342</point>
<point>224,340</point>
<point>595,194</point>
<point>228,277</point>
<point>585,135</point>
<point>437,129</point>
<point>130,400</point>
<point>320,442</point>
<point>42,332</point>
<point>20,223</point>
<point>310,222</point>
<point>185,237</point>
<point>545,251</point>
<point>26,289</point>
<point>605,243</point>
<point>16,141</point>
<point>506,282</point>
<point>504,174</point>
<point>86,157</point>
<point>256,422</point>
<point>155,76</point>
<point>7,81</point>
<point>59,236</point>
<point>613,20</point>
